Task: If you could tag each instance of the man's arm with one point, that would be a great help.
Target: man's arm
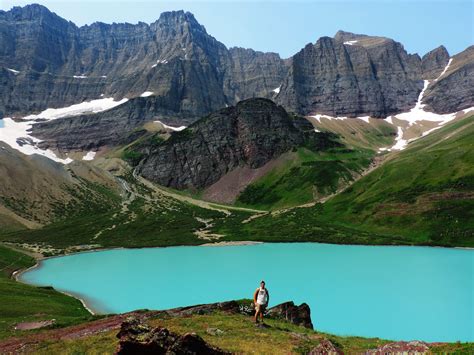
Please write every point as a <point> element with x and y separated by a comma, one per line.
<point>268,297</point>
<point>255,296</point>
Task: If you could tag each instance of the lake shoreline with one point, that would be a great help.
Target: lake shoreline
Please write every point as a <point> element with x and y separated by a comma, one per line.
<point>95,304</point>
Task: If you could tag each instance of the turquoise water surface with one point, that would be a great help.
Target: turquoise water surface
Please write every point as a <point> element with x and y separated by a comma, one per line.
<point>388,292</point>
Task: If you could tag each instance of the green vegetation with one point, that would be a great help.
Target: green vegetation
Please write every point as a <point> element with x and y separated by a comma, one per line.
<point>24,303</point>
<point>309,176</point>
<point>425,193</point>
<point>423,196</point>
<point>239,336</point>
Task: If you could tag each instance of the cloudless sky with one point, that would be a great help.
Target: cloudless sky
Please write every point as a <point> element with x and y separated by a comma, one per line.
<point>287,26</point>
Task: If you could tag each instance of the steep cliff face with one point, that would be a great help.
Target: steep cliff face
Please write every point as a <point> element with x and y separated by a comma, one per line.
<point>352,75</point>
<point>454,89</point>
<point>46,61</point>
<point>251,134</point>
<point>250,73</point>
<point>49,62</point>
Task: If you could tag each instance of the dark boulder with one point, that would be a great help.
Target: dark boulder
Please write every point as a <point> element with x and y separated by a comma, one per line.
<point>299,315</point>
<point>138,338</point>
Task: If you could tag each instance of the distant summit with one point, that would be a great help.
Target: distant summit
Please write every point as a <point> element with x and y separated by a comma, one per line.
<point>46,61</point>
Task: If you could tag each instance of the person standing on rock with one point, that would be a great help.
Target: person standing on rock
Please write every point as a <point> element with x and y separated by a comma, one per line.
<point>261,297</point>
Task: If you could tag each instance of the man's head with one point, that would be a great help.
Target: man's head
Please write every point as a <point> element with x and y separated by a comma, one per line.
<point>262,284</point>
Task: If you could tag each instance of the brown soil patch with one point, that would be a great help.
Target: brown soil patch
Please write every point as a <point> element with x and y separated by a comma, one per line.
<point>232,184</point>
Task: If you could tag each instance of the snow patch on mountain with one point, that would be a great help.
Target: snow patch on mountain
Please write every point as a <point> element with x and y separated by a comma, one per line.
<point>17,133</point>
<point>92,106</point>
<point>277,90</point>
<point>176,129</point>
<point>445,69</point>
<point>146,94</point>
<point>89,156</point>
<point>350,43</point>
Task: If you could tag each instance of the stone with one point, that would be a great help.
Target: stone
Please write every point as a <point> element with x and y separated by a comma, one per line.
<point>401,348</point>
<point>299,315</point>
<point>325,347</point>
<point>214,331</point>
<point>136,337</point>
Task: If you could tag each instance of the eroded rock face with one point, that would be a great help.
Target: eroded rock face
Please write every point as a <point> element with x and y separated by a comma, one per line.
<point>299,315</point>
<point>352,75</point>
<point>138,338</point>
<point>55,63</point>
<point>251,133</point>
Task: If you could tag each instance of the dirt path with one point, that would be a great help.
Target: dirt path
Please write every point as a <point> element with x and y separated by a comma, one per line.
<point>200,203</point>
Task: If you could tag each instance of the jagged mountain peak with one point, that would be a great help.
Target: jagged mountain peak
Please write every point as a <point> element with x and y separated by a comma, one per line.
<point>174,19</point>
<point>31,12</point>
<point>438,51</point>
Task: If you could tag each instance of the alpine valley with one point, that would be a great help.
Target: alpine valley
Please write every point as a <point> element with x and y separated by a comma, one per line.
<point>156,135</point>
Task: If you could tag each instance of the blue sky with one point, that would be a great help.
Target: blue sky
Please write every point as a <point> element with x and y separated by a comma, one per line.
<point>286,26</point>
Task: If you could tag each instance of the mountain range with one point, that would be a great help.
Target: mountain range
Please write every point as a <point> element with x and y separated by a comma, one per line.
<point>103,124</point>
<point>47,61</point>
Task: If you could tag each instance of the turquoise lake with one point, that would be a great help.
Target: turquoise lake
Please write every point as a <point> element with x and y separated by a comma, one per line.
<point>388,292</point>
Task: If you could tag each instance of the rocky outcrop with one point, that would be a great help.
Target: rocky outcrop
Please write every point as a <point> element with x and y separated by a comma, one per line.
<point>352,75</point>
<point>252,133</point>
<point>299,315</point>
<point>136,337</point>
<point>454,90</point>
<point>434,62</point>
<point>401,348</point>
<point>325,347</point>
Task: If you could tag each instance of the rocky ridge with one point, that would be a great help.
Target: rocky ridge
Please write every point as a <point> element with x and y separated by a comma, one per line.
<point>251,133</point>
<point>188,73</point>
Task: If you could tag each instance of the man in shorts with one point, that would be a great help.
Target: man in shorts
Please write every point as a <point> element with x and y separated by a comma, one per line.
<point>261,297</point>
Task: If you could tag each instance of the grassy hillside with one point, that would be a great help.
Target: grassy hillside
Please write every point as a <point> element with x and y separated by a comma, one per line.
<point>422,195</point>
<point>24,303</point>
<point>309,176</point>
<point>239,336</point>
<point>425,193</point>
<point>315,175</point>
